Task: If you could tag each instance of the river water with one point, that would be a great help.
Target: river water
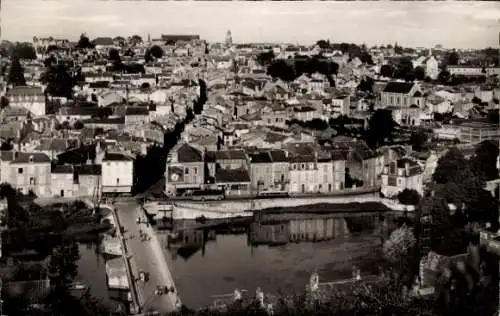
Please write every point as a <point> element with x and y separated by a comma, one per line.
<point>276,253</point>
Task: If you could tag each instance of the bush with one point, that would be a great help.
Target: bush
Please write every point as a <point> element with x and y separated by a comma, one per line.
<point>409,197</point>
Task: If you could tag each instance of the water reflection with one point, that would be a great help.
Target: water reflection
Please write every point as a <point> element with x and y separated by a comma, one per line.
<point>271,251</point>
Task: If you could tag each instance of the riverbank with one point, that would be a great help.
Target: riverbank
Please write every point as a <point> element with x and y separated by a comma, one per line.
<point>246,208</point>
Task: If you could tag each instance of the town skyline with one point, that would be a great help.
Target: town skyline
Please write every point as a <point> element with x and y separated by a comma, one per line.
<point>414,24</point>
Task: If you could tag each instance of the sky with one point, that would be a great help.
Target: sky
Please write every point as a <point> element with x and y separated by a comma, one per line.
<point>425,24</point>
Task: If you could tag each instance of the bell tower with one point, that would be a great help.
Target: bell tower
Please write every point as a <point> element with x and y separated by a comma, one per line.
<point>229,39</point>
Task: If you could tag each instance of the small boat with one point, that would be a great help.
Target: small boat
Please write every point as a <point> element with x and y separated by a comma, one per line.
<point>79,286</point>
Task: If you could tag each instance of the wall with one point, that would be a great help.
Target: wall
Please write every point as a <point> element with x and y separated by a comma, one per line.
<point>117,173</point>
<point>34,176</point>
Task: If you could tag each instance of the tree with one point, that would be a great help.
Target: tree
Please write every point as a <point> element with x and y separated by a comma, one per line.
<point>84,42</point>
<point>114,55</point>
<point>366,85</point>
<point>265,58</point>
<point>409,197</point>
<point>135,39</point>
<point>78,125</point>
<point>59,81</point>
<point>418,140</point>
<point>16,73</point>
<point>4,102</point>
<point>281,69</point>
<point>62,266</point>
<point>452,58</point>
<point>120,40</point>
<point>444,76</point>
<point>380,127</point>
<point>24,51</point>
<point>419,73</point>
<point>387,71</point>
<point>154,51</point>
<point>404,70</point>
<point>323,44</point>
<point>484,160</point>
<point>400,251</point>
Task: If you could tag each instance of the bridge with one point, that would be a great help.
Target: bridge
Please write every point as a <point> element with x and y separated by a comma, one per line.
<point>145,255</point>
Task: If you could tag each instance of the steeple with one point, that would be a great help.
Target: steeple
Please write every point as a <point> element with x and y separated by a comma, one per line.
<point>229,39</point>
<point>149,38</point>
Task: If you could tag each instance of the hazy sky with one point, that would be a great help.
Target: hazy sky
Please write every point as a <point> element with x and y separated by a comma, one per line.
<point>452,24</point>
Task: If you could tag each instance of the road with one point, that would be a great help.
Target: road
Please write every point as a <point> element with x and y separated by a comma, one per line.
<point>148,257</point>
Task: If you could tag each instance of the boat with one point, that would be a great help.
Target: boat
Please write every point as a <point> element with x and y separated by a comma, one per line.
<point>79,286</point>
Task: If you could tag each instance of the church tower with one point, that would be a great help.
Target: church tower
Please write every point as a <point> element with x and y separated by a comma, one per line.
<point>229,39</point>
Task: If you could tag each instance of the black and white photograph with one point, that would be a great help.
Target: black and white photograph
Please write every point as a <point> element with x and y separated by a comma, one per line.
<point>281,158</point>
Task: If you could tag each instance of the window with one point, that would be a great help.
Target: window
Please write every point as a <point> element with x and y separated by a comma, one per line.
<point>32,180</point>
<point>19,170</point>
<point>329,187</point>
<point>186,171</point>
<point>195,170</point>
<point>302,166</point>
<point>392,100</point>
<point>117,181</point>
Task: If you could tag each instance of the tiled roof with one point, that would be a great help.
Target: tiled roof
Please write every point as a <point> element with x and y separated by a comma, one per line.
<point>302,159</point>
<point>25,90</point>
<point>116,157</point>
<point>230,155</point>
<point>104,41</point>
<point>278,155</point>
<point>260,157</point>
<point>398,87</point>
<point>89,170</point>
<point>22,157</point>
<point>232,175</point>
<point>62,169</point>
<point>137,110</point>
<point>111,120</point>
<point>188,153</point>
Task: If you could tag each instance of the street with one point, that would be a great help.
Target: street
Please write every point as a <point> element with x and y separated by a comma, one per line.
<point>147,257</point>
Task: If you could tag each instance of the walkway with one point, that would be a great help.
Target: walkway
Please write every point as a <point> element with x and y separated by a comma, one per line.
<point>146,256</point>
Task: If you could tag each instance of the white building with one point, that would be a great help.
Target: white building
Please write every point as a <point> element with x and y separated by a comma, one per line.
<point>117,173</point>
<point>401,174</point>
<point>30,98</point>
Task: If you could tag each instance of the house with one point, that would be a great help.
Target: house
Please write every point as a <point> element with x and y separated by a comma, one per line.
<point>29,172</point>
<point>30,98</point>
<point>136,115</point>
<point>404,173</point>
<point>341,104</point>
<point>311,170</point>
<point>117,173</point>
<point>402,94</point>
<point>231,159</point>
<point>185,170</point>
<point>362,164</point>
<point>269,170</point>
<point>430,65</point>
<point>306,113</point>
<point>62,181</point>
<point>89,180</point>
<point>235,182</point>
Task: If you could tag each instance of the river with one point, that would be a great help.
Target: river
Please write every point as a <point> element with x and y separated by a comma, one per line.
<point>276,253</point>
